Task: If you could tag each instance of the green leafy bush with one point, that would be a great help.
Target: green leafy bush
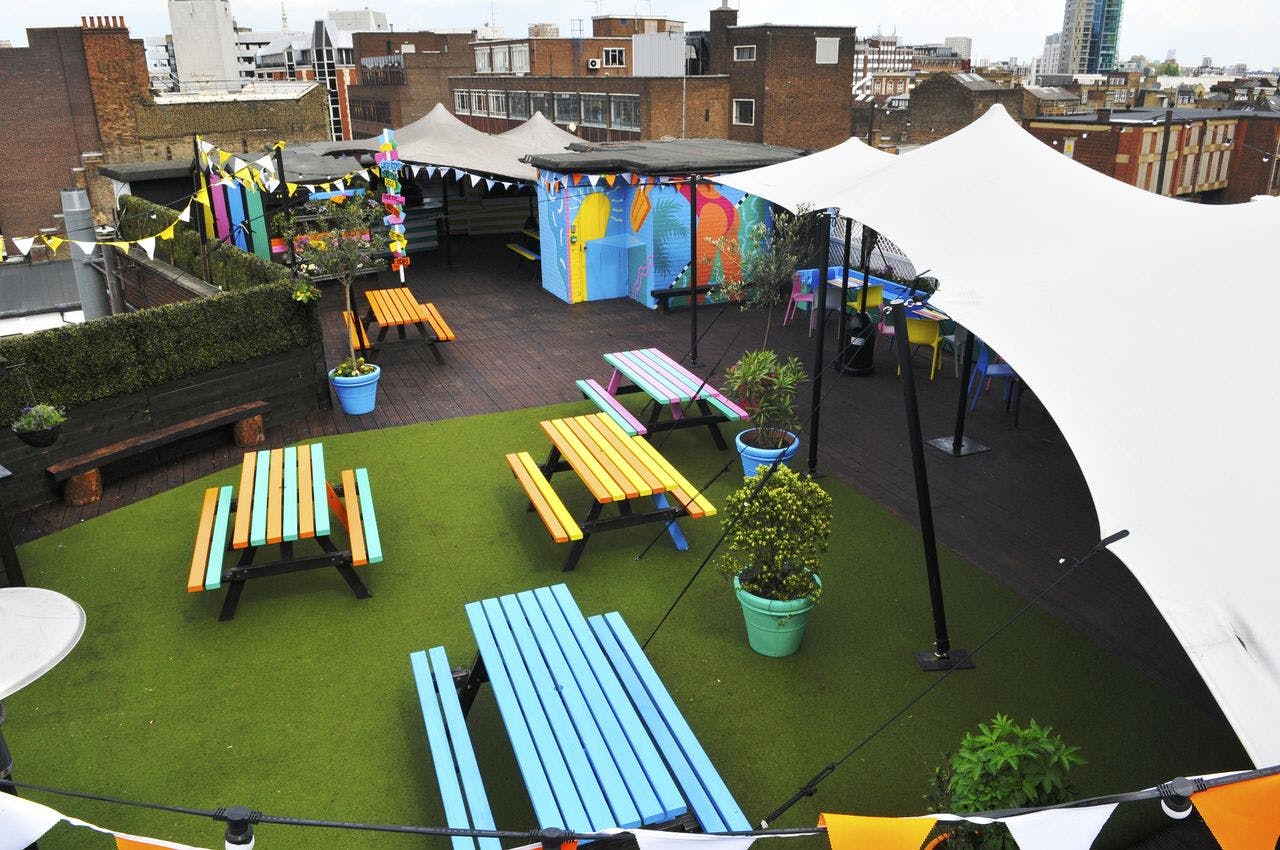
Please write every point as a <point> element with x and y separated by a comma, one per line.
<point>766,388</point>
<point>1001,766</point>
<point>774,534</point>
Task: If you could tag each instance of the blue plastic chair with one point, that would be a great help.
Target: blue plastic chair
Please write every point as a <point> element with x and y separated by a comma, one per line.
<point>985,369</point>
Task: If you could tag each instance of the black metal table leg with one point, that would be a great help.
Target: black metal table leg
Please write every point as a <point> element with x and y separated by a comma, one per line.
<point>578,545</point>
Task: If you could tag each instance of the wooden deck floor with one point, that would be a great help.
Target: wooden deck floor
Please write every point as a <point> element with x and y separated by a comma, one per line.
<point>1013,511</point>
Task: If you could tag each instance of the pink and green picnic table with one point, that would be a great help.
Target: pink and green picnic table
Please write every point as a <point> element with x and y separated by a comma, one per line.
<point>677,397</point>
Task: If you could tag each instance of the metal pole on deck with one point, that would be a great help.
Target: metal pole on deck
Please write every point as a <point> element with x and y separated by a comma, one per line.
<point>818,345</point>
<point>693,270</point>
<point>942,656</point>
<point>844,295</point>
<point>958,445</point>
<point>197,178</point>
<point>448,240</point>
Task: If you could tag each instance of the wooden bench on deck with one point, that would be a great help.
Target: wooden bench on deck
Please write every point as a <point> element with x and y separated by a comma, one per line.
<point>284,498</point>
<point>664,296</point>
<point>82,472</point>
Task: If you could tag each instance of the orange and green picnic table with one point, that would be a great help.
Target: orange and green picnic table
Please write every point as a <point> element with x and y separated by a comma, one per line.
<point>284,499</point>
<point>618,469</point>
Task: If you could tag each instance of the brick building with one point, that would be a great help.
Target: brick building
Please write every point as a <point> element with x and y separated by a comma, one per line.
<point>1213,156</point>
<point>939,106</point>
<point>402,75</point>
<point>79,97</point>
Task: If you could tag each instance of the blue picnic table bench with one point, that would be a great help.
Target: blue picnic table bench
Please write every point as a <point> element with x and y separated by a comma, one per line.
<point>599,741</point>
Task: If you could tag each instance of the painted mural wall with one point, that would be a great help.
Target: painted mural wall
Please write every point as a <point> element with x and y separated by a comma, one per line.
<point>625,235</point>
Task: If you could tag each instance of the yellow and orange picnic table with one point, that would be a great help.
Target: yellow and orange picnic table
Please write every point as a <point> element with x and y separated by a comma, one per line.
<point>284,498</point>
<point>616,468</point>
<point>399,308</point>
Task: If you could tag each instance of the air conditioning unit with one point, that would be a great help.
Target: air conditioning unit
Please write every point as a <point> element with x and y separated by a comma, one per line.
<point>593,64</point>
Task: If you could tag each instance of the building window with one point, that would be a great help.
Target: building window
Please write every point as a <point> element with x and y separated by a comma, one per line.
<point>462,102</point>
<point>625,111</point>
<point>594,110</point>
<point>498,104</point>
<point>566,107</point>
<point>744,53</point>
<point>540,101</point>
<point>519,58</point>
<point>518,104</point>
<point>501,60</point>
<point>615,57</point>
<point>744,112</point>
<point>828,51</point>
<point>484,60</point>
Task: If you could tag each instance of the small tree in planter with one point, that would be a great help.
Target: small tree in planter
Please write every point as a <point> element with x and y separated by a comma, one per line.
<point>343,242</point>
<point>776,527</point>
<point>766,388</point>
<point>1001,766</point>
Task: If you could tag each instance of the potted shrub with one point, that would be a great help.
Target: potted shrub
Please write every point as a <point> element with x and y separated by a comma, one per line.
<point>1001,766</point>
<point>39,424</point>
<point>776,526</point>
<point>343,242</point>
<point>765,387</point>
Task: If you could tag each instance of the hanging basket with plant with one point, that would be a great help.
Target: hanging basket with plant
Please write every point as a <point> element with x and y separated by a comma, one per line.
<point>39,424</point>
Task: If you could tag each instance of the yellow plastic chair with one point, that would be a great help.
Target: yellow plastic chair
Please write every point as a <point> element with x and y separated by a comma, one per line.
<point>875,297</point>
<point>926,332</point>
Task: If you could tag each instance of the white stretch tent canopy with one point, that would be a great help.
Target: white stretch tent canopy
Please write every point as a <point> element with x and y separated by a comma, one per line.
<point>1156,363</point>
<point>440,139</point>
<point>812,180</point>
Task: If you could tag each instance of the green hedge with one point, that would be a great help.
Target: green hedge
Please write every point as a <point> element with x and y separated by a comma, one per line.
<point>232,269</point>
<point>128,353</point>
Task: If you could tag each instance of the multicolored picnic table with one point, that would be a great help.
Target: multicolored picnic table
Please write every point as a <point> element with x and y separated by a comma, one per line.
<point>616,468</point>
<point>284,498</point>
<point>670,387</point>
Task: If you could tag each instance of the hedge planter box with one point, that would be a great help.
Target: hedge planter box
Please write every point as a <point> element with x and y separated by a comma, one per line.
<point>359,394</point>
<point>775,628</point>
<point>753,458</point>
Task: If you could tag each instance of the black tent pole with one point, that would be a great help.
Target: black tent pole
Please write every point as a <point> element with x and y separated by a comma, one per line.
<point>693,270</point>
<point>958,445</point>
<point>942,656</point>
<point>844,294</point>
<point>448,240</point>
<point>818,345</point>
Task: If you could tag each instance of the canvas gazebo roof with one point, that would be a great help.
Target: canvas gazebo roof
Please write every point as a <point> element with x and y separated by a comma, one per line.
<point>1172,427</point>
<point>666,157</point>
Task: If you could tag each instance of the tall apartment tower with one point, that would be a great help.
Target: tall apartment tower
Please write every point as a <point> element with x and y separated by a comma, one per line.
<point>204,43</point>
<point>1090,30</point>
<point>961,44</point>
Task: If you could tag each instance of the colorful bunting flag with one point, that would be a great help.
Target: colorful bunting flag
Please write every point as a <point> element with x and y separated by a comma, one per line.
<point>1059,829</point>
<point>852,832</point>
<point>148,244</point>
<point>24,245</point>
<point>1242,815</point>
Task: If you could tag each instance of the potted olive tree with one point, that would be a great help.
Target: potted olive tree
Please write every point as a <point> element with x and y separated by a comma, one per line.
<point>759,262</point>
<point>765,387</point>
<point>342,242</point>
<point>776,526</point>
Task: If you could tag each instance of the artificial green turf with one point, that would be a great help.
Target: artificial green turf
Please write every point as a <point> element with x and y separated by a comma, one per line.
<point>304,704</point>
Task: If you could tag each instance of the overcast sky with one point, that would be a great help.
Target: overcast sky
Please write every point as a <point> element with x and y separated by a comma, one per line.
<point>1229,31</point>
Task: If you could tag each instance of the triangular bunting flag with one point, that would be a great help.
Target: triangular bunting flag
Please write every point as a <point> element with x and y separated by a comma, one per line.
<point>148,244</point>
<point>337,185</point>
<point>609,179</point>
<point>24,245</point>
<point>849,832</point>
<point>458,174</point>
<point>627,177</point>
<point>1059,829</point>
<point>185,215</point>
<point>431,171</point>
<point>292,187</point>
<point>593,179</point>
<point>488,184</point>
<point>202,197</point>
<point>223,156</point>
<point>121,245</point>
<point>506,185</point>
<point>85,247</point>
<point>54,242</point>
<point>167,233</point>
<point>1242,815</point>
<point>576,178</point>
<point>203,145</point>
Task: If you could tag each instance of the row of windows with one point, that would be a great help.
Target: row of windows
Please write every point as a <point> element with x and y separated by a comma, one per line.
<point>619,111</point>
<point>373,111</point>
<point>503,59</point>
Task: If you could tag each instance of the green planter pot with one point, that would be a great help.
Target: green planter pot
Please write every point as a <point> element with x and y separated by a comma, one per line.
<point>774,628</point>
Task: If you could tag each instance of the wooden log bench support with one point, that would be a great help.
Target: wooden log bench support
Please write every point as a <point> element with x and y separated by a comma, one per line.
<point>82,473</point>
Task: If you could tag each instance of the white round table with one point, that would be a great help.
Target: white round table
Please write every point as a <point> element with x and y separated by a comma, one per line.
<point>38,628</point>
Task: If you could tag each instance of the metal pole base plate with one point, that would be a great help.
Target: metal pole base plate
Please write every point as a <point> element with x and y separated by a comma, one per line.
<point>967,447</point>
<point>957,659</point>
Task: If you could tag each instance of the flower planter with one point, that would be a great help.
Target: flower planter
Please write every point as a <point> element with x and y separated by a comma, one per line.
<point>359,394</point>
<point>42,438</point>
<point>753,458</point>
<point>775,627</point>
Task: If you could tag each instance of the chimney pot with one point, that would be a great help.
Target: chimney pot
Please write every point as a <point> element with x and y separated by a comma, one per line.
<point>83,22</point>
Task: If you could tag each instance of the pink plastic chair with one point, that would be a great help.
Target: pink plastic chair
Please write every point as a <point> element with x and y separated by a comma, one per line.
<point>803,284</point>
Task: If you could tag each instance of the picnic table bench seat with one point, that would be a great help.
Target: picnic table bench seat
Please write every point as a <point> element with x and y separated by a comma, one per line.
<point>552,511</point>
<point>612,407</point>
<point>296,506</point>
<point>83,472</point>
<point>359,337</point>
<point>466,804</point>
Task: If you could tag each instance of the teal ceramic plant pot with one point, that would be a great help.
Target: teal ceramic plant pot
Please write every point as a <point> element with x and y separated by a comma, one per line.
<point>754,458</point>
<point>774,628</point>
<point>359,394</point>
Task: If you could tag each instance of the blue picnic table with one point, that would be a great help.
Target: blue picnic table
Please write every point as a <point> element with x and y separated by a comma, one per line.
<point>598,740</point>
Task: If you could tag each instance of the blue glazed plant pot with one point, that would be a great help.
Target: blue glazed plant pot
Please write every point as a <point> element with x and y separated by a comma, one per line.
<point>753,458</point>
<point>359,394</point>
<point>775,627</point>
